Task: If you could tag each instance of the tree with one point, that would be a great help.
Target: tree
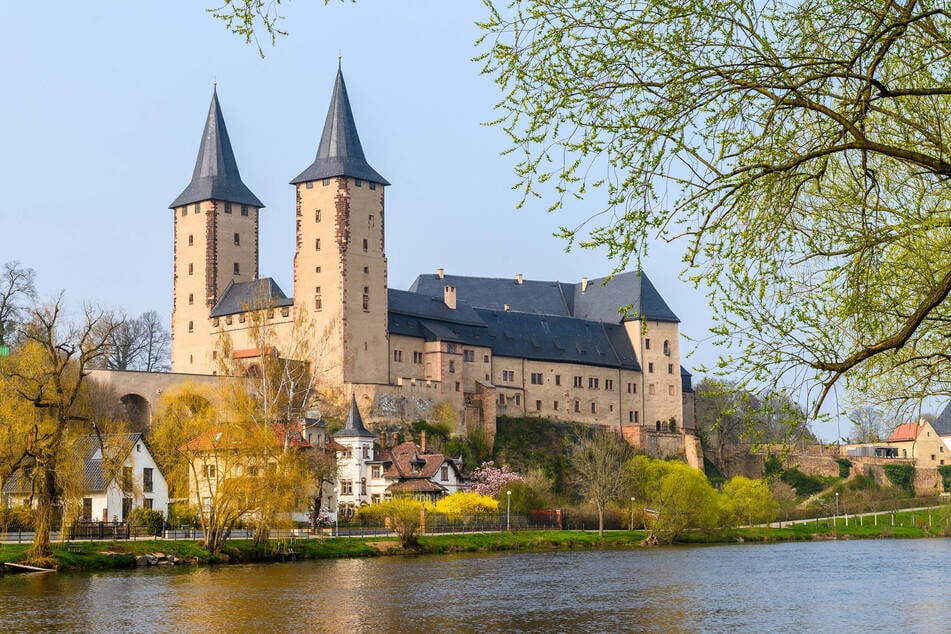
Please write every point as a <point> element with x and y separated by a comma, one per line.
<point>45,409</point>
<point>403,514</point>
<point>491,481</point>
<point>139,344</point>
<point>798,149</point>
<point>748,501</point>
<point>17,294</point>
<point>868,425</point>
<point>598,460</point>
<point>678,497</point>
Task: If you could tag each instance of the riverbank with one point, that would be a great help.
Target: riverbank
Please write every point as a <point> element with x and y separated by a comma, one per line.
<point>102,555</point>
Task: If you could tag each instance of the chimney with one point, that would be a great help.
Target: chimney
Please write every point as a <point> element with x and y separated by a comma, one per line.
<point>395,436</point>
<point>422,441</point>
<point>584,284</point>
<point>382,440</point>
<point>518,278</point>
<point>505,307</point>
<point>440,272</point>
<point>449,296</point>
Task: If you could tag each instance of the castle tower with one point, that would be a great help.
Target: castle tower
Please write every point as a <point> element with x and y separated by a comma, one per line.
<point>340,263</point>
<point>216,241</point>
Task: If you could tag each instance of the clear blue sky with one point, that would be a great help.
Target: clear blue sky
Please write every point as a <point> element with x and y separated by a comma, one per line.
<point>102,114</point>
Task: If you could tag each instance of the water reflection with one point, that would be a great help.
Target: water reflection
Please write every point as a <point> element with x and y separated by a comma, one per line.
<point>780,587</point>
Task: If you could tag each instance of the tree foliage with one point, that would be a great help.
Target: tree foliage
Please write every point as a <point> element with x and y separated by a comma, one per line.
<point>141,343</point>
<point>465,505</point>
<point>798,149</point>
<point>678,497</point>
<point>746,501</point>
<point>17,295</point>
<point>404,515</point>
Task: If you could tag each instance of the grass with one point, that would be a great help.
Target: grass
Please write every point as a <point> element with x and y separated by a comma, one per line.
<point>122,554</point>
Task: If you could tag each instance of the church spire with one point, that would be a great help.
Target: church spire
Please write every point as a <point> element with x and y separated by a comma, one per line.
<point>354,428</point>
<point>340,152</point>
<point>216,174</point>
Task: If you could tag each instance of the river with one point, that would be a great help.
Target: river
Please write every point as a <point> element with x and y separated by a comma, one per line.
<point>892,585</point>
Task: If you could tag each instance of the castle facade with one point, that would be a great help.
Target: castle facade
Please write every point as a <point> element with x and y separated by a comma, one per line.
<point>601,351</point>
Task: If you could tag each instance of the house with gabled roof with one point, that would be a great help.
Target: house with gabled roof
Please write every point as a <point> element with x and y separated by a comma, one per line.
<point>919,442</point>
<point>118,475</point>
<point>603,351</point>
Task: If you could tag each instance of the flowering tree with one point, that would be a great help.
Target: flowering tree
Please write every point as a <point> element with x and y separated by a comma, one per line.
<point>490,480</point>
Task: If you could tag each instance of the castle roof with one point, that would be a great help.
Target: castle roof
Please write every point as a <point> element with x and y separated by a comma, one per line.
<point>216,174</point>
<point>354,428</point>
<point>942,424</point>
<point>240,297</point>
<point>340,152</point>
<point>600,299</point>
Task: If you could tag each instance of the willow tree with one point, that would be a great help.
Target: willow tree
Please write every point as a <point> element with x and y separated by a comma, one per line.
<point>44,407</point>
<point>796,148</point>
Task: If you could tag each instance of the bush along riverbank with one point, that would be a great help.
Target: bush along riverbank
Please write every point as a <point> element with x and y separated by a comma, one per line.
<point>100,555</point>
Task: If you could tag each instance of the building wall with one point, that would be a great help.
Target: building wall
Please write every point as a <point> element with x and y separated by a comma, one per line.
<point>657,344</point>
<point>340,271</point>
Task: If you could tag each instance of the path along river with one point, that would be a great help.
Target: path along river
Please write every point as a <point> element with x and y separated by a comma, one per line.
<point>890,585</point>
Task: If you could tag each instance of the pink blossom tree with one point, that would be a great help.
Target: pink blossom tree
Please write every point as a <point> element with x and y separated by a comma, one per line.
<point>490,480</point>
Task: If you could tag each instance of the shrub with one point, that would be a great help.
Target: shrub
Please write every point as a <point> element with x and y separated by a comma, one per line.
<point>805,485</point>
<point>845,467</point>
<point>945,471</point>
<point>152,520</point>
<point>404,516</point>
<point>902,476</point>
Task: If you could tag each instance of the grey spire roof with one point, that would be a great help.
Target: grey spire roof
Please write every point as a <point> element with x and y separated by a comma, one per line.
<point>216,174</point>
<point>340,152</point>
<point>354,428</point>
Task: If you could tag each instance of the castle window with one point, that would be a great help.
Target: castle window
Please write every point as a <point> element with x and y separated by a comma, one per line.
<point>631,388</point>
<point>637,416</point>
<point>630,416</point>
<point>485,358</point>
<point>650,366</point>
<point>317,216</point>
<point>227,208</point>
<point>577,381</point>
<point>538,406</point>
<point>228,320</point>
<point>191,268</point>
<point>647,344</point>
<point>670,390</point>
<point>611,407</point>
<point>358,182</point>
<point>417,356</point>
<point>518,399</point>
<point>366,270</point>
<point>458,386</point>
<point>317,270</point>
<point>214,354</point>
<point>365,244</point>
<point>650,389</point>
<point>451,348</point>
<point>318,302</point>
<point>309,184</point>
<point>215,322</point>
<point>594,408</point>
<point>670,368</point>
<point>372,185</point>
<point>592,383</point>
<point>468,355</point>
<point>326,182</point>
<point>244,210</point>
<point>185,210</point>
<point>398,356</point>
<point>241,318</point>
<point>191,298</point>
<point>370,221</point>
<point>452,366</point>
<point>666,347</point>
<point>508,376</point>
<point>191,326</point>
<point>366,298</point>
<point>237,269</point>
<point>609,385</point>
<point>658,425</point>
<point>191,239</point>
<point>197,208</point>
<point>554,405</point>
<point>237,239</point>
<point>501,399</point>
<point>557,379</point>
<point>317,244</point>
<point>577,406</point>
<point>536,378</point>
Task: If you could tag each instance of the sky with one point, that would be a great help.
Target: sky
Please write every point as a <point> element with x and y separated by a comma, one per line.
<point>103,113</point>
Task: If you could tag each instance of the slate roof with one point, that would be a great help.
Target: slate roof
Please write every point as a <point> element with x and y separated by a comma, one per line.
<point>600,300</point>
<point>340,152</point>
<point>240,297</point>
<point>95,473</point>
<point>942,424</point>
<point>686,380</point>
<point>216,175</point>
<point>354,428</point>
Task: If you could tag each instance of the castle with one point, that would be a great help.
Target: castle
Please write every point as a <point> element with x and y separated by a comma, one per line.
<point>486,346</point>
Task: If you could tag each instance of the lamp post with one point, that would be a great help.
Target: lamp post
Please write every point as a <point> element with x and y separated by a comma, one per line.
<point>632,513</point>
<point>336,514</point>
<point>835,518</point>
<point>508,510</point>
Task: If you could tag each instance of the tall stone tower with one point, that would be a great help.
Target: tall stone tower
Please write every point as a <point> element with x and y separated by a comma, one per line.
<point>340,263</point>
<point>216,241</point>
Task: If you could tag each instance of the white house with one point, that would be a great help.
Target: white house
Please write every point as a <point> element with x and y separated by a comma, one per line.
<point>368,474</point>
<point>109,497</point>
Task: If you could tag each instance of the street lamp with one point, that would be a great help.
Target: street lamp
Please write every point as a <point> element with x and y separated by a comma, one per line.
<point>835,518</point>
<point>336,514</point>
<point>508,510</point>
<point>632,513</point>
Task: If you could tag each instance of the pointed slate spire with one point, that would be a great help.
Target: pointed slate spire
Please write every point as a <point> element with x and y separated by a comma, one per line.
<point>216,174</point>
<point>340,152</point>
<point>354,428</point>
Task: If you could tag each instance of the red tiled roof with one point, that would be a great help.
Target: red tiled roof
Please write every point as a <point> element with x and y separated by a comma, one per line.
<point>221,437</point>
<point>404,453</point>
<point>249,353</point>
<point>905,432</point>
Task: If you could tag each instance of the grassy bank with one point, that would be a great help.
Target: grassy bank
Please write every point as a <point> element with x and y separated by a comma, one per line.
<point>122,554</point>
